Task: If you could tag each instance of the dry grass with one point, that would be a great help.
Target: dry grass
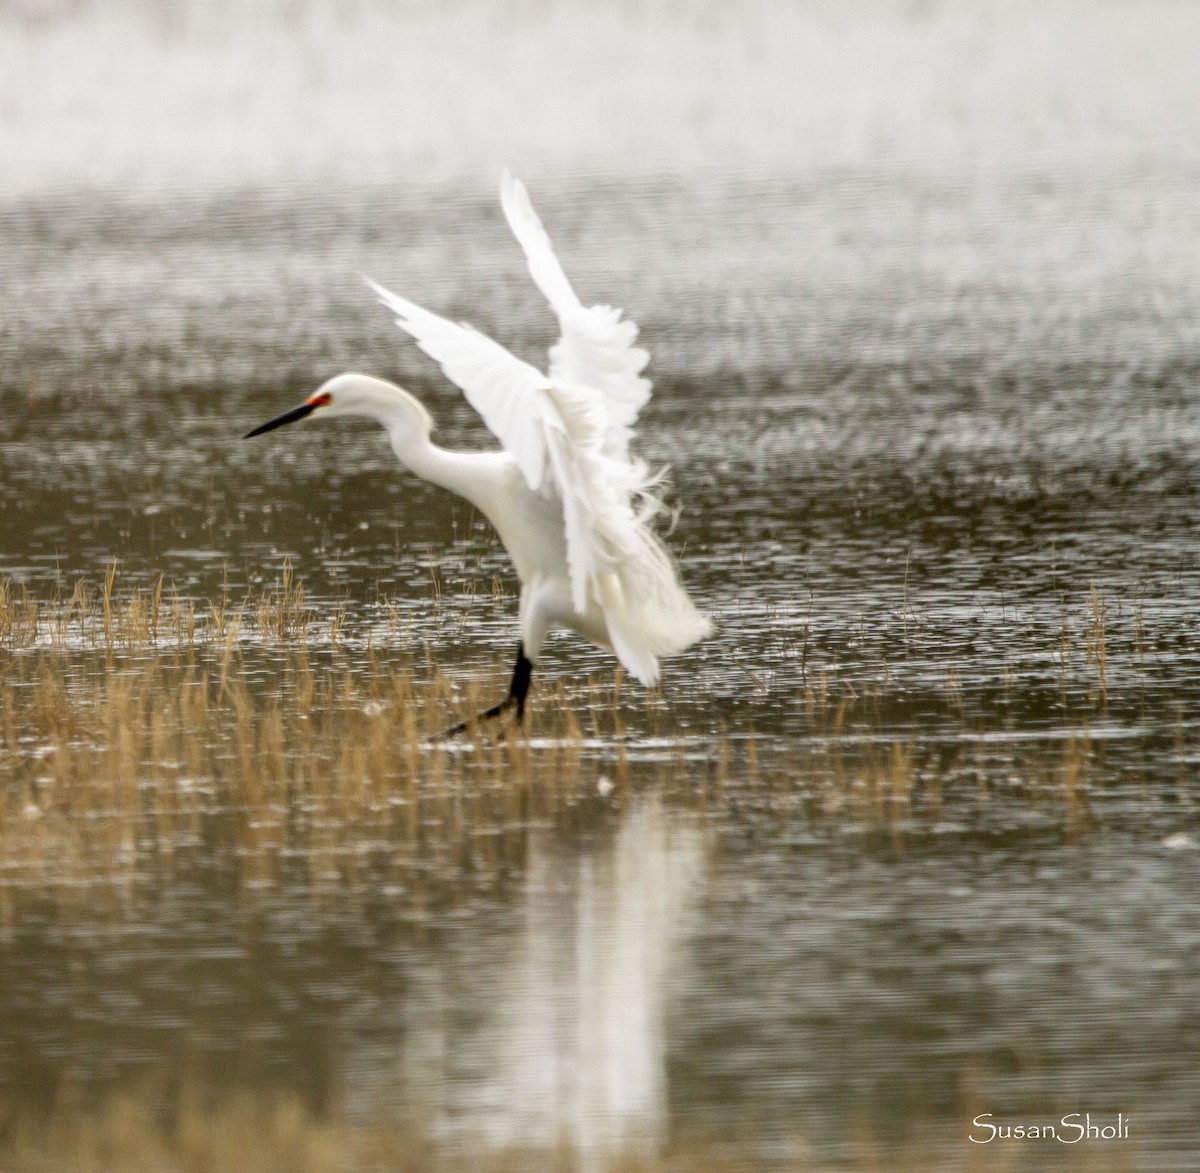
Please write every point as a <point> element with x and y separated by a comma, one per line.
<point>138,730</point>
<point>141,730</point>
<point>116,620</point>
<point>251,1132</point>
<point>137,725</point>
<point>111,772</point>
<point>255,1132</point>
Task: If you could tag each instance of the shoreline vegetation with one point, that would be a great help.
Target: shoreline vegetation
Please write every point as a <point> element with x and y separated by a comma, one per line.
<point>142,732</point>
<point>135,720</point>
<point>139,727</point>
<point>254,1132</point>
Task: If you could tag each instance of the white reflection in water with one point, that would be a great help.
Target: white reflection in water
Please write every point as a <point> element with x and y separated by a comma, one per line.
<point>558,1037</point>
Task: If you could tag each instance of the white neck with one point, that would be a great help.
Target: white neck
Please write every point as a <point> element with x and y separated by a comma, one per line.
<point>474,476</point>
<point>477,476</point>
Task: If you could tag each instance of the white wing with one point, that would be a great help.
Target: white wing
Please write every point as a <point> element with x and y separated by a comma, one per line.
<point>596,349</point>
<point>555,432</point>
<point>569,435</point>
<point>510,395</point>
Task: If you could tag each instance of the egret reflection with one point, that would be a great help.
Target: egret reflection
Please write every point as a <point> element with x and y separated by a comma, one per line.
<point>562,1040</point>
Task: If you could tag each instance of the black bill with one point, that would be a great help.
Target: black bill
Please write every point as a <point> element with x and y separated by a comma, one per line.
<point>288,417</point>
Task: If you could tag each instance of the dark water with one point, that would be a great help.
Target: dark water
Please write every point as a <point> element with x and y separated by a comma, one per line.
<point>922,291</point>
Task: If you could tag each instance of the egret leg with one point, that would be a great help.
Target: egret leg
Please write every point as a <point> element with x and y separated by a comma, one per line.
<point>518,690</point>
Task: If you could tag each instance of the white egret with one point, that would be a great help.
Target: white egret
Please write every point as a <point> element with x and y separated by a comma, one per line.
<point>570,504</point>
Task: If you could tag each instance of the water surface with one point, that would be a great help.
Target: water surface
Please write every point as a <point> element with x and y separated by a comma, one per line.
<point>920,286</point>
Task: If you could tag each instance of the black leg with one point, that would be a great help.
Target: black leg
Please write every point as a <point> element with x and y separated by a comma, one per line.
<point>522,675</point>
<point>518,690</point>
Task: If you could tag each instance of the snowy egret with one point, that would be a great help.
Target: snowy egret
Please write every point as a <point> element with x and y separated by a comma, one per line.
<point>571,506</point>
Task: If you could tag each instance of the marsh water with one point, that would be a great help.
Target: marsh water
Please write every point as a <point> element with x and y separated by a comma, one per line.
<point>921,284</point>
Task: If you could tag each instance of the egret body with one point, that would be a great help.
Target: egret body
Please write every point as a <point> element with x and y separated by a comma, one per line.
<point>569,503</point>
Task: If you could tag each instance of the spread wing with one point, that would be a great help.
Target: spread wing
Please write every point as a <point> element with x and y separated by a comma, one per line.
<point>555,431</point>
<point>511,396</point>
<point>596,349</point>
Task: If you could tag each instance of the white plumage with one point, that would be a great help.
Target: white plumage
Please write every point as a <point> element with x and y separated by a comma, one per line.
<point>570,504</point>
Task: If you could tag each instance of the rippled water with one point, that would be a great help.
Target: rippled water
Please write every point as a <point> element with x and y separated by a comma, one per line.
<point>921,288</point>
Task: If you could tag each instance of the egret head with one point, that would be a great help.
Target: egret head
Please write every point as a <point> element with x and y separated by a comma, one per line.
<point>357,395</point>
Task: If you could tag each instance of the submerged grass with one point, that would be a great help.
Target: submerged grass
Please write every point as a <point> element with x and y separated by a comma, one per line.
<point>113,770</point>
<point>256,1132</point>
<point>146,735</point>
<point>140,728</point>
<point>120,619</point>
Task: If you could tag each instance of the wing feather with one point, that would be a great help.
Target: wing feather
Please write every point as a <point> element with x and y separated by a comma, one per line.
<point>596,348</point>
<point>509,394</point>
<point>555,434</point>
<point>569,435</point>
<point>544,265</point>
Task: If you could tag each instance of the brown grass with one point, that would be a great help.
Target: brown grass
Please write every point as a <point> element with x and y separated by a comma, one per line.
<point>140,728</point>
<point>134,723</point>
<point>255,1132</point>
